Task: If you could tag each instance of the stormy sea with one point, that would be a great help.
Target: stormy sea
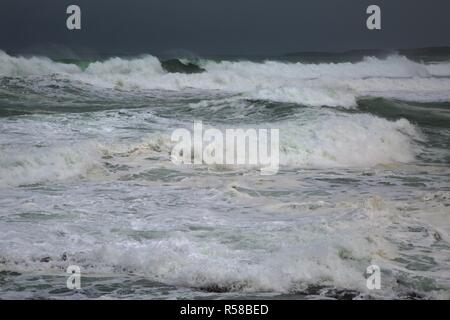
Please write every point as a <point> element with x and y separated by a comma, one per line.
<point>86,177</point>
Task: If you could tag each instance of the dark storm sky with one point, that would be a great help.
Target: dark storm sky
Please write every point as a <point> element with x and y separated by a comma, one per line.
<point>221,26</point>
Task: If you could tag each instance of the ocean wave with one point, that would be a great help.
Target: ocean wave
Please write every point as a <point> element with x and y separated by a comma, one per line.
<point>47,164</point>
<point>335,141</point>
<point>313,258</point>
<point>22,67</point>
<point>354,141</point>
<point>325,141</point>
<point>324,84</point>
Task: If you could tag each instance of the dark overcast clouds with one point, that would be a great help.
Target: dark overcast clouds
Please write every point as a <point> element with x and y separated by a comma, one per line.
<point>222,26</point>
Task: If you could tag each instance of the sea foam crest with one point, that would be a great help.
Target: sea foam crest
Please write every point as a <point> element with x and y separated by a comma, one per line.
<point>323,84</point>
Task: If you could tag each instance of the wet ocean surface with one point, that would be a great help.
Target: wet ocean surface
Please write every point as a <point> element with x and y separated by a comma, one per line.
<point>86,179</point>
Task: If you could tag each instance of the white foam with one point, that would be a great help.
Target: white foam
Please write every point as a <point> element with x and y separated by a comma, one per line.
<point>309,96</point>
<point>348,141</point>
<point>293,263</point>
<point>330,84</point>
<point>333,140</point>
<point>315,140</point>
<point>441,69</point>
<point>20,66</point>
<point>39,165</point>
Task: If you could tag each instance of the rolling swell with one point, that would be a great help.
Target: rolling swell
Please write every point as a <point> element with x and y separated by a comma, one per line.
<point>312,85</point>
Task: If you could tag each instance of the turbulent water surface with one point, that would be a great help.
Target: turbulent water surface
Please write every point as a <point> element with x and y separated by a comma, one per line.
<point>86,179</point>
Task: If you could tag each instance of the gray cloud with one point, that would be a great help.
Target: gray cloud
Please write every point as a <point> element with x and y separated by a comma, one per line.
<point>221,26</point>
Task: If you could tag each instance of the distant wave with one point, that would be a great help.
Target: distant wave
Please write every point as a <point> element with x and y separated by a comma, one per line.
<point>323,84</point>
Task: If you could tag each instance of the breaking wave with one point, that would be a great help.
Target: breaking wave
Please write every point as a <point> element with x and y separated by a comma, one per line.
<point>329,141</point>
<point>47,164</point>
<point>324,84</point>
